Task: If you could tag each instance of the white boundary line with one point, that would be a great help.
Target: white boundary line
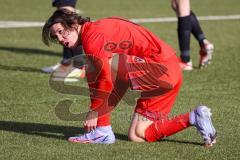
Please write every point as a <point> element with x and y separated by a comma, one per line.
<point>23,24</point>
<point>173,19</point>
<point>19,24</point>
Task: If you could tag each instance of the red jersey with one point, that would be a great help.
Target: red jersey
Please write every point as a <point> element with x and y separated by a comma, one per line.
<point>115,35</point>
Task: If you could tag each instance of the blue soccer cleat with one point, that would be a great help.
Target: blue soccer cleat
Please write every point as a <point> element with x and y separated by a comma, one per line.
<point>101,135</point>
<point>201,119</point>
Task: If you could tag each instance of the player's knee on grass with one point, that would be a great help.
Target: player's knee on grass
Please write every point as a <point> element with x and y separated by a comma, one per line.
<point>133,137</point>
<point>140,129</point>
<point>137,129</point>
<point>137,135</point>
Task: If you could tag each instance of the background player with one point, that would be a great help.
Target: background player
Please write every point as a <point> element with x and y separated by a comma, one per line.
<point>67,53</point>
<point>187,24</point>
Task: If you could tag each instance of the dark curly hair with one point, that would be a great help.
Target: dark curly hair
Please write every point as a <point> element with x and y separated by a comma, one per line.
<point>66,18</point>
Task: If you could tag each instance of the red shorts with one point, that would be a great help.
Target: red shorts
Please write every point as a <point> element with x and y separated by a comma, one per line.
<point>158,82</point>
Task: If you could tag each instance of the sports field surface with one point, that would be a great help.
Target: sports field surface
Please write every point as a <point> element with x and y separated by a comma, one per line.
<point>30,129</point>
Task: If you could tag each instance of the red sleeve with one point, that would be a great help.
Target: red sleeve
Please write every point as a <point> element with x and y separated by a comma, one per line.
<point>98,70</point>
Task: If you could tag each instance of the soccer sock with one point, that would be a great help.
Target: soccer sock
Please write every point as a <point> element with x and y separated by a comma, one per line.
<point>166,127</point>
<point>184,33</point>
<point>104,120</point>
<point>67,54</point>
<point>196,29</point>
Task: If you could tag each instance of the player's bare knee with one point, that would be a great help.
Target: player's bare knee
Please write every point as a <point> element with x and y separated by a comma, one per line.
<point>135,138</point>
<point>132,137</point>
<point>140,131</point>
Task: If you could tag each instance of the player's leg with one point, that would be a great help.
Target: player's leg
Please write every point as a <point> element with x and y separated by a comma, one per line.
<point>182,9</point>
<point>174,6</point>
<point>154,105</point>
<point>71,69</point>
<point>206,48</point>
<point>151,121</point>
<point>103,133</point>
<point>138,125</point>
<point>67,4</point>
<point>196,28</point>
<point>144,129</point>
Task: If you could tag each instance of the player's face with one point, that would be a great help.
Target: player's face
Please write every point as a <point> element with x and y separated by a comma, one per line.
<point>66,37</point>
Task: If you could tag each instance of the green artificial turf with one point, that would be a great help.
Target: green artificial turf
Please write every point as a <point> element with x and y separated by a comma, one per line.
<point>30,129</point>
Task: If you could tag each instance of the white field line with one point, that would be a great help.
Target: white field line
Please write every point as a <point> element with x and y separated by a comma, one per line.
<point>19,24</point>
<point>173,19</point>
<point>22,24</point>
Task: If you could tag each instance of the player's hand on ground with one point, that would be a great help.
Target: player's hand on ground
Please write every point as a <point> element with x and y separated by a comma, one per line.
<point>91,121</point>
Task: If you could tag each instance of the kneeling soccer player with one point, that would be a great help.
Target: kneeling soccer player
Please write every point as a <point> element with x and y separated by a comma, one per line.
<point>122,55</point>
